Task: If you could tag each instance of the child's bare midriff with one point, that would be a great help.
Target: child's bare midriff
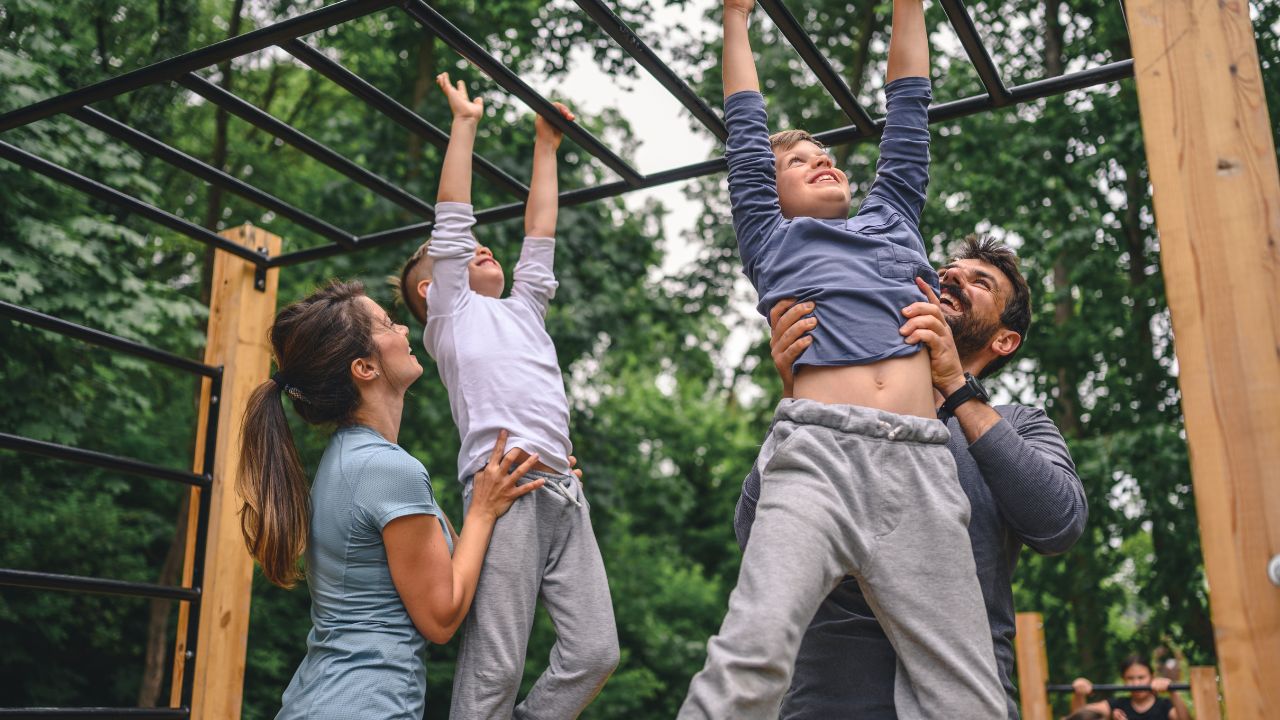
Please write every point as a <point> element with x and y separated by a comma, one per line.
<point>897,385</point>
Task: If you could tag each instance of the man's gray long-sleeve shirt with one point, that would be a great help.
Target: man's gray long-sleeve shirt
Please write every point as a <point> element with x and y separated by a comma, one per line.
<point>1023,488</point>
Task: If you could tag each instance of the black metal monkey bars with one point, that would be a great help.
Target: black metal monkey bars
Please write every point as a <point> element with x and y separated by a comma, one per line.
<point>287,36</point>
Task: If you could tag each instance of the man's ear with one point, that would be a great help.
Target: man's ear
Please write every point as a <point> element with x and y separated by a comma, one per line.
<point>363,370</point>
<point>1006,342</point>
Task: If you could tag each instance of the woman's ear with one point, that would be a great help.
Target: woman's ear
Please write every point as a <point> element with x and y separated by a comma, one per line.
<point>364,370</point>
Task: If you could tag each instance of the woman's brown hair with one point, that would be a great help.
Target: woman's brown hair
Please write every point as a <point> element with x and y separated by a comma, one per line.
<point>314,342</point>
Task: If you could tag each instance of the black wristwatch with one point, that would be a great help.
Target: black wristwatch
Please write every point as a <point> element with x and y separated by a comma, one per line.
<point>972,389</point>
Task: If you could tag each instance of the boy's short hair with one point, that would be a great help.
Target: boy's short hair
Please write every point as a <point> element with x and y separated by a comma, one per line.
<point>786,139</point>
<point>1016,315</point>
<point>416,269</point>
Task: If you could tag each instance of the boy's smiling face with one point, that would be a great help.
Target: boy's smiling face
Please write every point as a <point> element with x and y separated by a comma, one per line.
<point>485,273</point>
<point>809,185</point>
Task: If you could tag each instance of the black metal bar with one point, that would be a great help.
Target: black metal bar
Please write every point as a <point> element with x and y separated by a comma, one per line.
<point>839,136</point>
<point>96,189</point>
<point>209,174</point>
<point>180,713</point>
<point>261,119</point>
<point>100,586</point>
<point>202,538</point>
<point>830,79</point>
<point>965,29</point>
<point>388,106</point>
<point>27,316</point>
<point>174,67</point>
<point>98,459</point>
<point>641,53</point>
<point>1115,688</point>
<point>501,74</point>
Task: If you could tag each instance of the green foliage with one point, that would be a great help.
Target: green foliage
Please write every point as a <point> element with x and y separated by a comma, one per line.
<point>665,421</point>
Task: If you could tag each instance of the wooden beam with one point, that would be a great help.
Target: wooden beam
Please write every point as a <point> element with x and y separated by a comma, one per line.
<point>1033,666</point>
<point>1217,203</point>
<point>240,315</point>
<point>1204,693</point>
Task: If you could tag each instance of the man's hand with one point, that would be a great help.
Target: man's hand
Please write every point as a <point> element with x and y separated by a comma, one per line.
<point>925,324</point>
<point>789,336</point>
<point>463,107</point>
<point>545,132</point>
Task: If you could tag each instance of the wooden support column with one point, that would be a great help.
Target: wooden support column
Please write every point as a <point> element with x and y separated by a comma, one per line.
<point>240,314</point>
<point>1217,203</point>
<point>1204,693</point>
<point>1033,666</point>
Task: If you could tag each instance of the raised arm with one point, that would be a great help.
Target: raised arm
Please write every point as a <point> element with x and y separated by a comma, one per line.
<point>909,42</point>
<point>452,246</point>
<point>902,174</point>
<point>534,280</point>
<point>455,176</point>
<point>738,67</point>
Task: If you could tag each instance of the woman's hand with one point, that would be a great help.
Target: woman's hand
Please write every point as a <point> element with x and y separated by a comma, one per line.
<point>463,107</point>
<point>493,489</point>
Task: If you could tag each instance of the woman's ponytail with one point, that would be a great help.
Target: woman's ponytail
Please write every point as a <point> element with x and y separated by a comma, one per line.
<point>314,340</point>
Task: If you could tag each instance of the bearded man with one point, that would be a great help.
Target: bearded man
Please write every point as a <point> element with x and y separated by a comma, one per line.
<point>1013,464</point>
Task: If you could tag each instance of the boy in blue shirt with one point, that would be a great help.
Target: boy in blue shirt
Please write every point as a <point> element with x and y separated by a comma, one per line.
<point>856,475</point>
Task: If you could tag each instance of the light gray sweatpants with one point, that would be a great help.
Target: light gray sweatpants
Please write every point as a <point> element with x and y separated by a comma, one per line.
<point>542,547</point>
<point>849,490</point>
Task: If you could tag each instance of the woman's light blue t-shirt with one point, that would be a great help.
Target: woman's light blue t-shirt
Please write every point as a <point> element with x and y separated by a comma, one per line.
<point>365,658</point>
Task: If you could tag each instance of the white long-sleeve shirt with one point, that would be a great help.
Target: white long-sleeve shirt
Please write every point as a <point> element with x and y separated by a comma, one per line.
<point>495,356</point>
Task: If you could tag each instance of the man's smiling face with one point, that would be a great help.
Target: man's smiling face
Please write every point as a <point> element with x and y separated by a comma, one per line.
<point>973,295</point>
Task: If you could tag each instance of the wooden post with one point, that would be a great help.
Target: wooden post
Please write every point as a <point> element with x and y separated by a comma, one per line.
<point>1217,203</point>
<point>240,315</point>
<point>1033,666</point>
<point>1204,693</point>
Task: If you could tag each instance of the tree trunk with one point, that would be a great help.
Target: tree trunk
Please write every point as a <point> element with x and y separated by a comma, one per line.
<point>421,86</point>
<point>218,158</point>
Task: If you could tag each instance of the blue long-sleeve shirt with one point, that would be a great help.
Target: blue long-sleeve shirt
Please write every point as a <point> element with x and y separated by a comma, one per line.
<point>859,270</point>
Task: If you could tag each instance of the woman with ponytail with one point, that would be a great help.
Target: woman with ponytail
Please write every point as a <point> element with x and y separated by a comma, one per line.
<point>382,567</point>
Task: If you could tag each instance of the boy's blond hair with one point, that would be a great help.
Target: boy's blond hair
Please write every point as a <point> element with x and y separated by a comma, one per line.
<point>786,139</point>
<point>416,269</point>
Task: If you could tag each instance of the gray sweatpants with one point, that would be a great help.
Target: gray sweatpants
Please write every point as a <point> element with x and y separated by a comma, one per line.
<point>854,491</point>
<point>542,547</point>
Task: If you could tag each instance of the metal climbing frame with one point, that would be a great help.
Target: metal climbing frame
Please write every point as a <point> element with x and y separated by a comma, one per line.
<point>130,466</point>
<point>287,35</point>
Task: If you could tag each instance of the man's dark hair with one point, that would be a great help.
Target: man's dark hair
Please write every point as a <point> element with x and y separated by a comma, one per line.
<point>1016,315</point>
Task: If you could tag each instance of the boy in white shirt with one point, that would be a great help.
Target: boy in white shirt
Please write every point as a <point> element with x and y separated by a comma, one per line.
<point>500,368</point>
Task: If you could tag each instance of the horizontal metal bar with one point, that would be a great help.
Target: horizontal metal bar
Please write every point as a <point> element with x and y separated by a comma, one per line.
<point>98,459</point>
<point>836,87</point>
<point>34,318</point>
<point>641,53</point>
<point>965,29</point>
<point>840,136</point>
<point>174,67</point>
<point>387,105</point>
<point>1115,688</point>
<point>208,173</point>
<point>501,74</point>
<point>97,586</point>
<point>96,189</point>
<point>96,712</point>
<point>261,119</point>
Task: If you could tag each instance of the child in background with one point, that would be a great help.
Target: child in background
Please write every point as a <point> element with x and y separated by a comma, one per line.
<point>500,368</point>
<point>856,477</point>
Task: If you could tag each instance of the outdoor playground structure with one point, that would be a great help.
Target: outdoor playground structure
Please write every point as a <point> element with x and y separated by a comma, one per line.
<point>1212,164</point>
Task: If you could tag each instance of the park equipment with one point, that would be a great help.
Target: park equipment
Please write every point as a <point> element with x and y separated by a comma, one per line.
<point>1212,162</point>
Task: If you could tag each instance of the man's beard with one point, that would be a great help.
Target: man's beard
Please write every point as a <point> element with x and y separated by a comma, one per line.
<point>971,334</point>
